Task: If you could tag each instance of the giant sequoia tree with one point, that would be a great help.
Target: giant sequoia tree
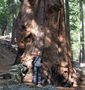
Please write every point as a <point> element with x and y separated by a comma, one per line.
<point>41,30</point>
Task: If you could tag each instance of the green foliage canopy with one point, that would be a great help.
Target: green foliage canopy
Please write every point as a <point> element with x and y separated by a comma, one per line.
<point>7,9</point>
<point>74,15</point>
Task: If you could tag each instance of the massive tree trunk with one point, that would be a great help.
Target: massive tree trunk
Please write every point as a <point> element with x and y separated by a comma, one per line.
<point>41,30</point>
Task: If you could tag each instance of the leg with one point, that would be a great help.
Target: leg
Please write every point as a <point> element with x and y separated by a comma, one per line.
<point>35,75</point>
<point>39,83</point>
<point>39,75</point>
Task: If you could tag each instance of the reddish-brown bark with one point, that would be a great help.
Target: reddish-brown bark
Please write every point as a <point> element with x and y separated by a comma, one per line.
<point>41,25</point>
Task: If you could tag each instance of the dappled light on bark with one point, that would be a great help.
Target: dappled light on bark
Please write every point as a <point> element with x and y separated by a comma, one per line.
<point>41,26</point>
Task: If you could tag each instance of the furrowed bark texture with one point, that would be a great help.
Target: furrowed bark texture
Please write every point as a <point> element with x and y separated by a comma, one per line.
<point>41,27</point>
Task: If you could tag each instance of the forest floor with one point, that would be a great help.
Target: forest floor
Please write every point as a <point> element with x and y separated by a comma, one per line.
<point>7,53</point>
<point>8,73</point>
<point>7,58</point>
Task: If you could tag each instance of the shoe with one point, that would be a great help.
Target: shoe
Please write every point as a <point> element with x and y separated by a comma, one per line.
<point>39,85</point>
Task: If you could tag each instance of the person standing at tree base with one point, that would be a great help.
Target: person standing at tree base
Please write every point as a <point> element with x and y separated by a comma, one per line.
<point>37,70</point>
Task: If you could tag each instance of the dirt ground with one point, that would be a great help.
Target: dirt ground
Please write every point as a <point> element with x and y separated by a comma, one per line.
<point>7,58</point>
<point>7,53</point>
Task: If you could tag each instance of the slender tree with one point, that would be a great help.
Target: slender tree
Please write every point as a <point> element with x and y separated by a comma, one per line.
<point>67,18</point>
<point>14,13</point>
<point>81,32</point>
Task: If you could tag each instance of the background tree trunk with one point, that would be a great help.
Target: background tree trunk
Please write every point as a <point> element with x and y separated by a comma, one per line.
<point>41,26</point>
<point>4,27</point>
<point>81,33</point>
<point>13,38</point>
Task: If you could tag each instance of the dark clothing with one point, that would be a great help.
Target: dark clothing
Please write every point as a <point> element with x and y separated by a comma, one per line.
<point>37,75</point>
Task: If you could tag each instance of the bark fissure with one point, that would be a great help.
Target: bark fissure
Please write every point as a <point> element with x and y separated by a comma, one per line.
<point>44,20</point>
